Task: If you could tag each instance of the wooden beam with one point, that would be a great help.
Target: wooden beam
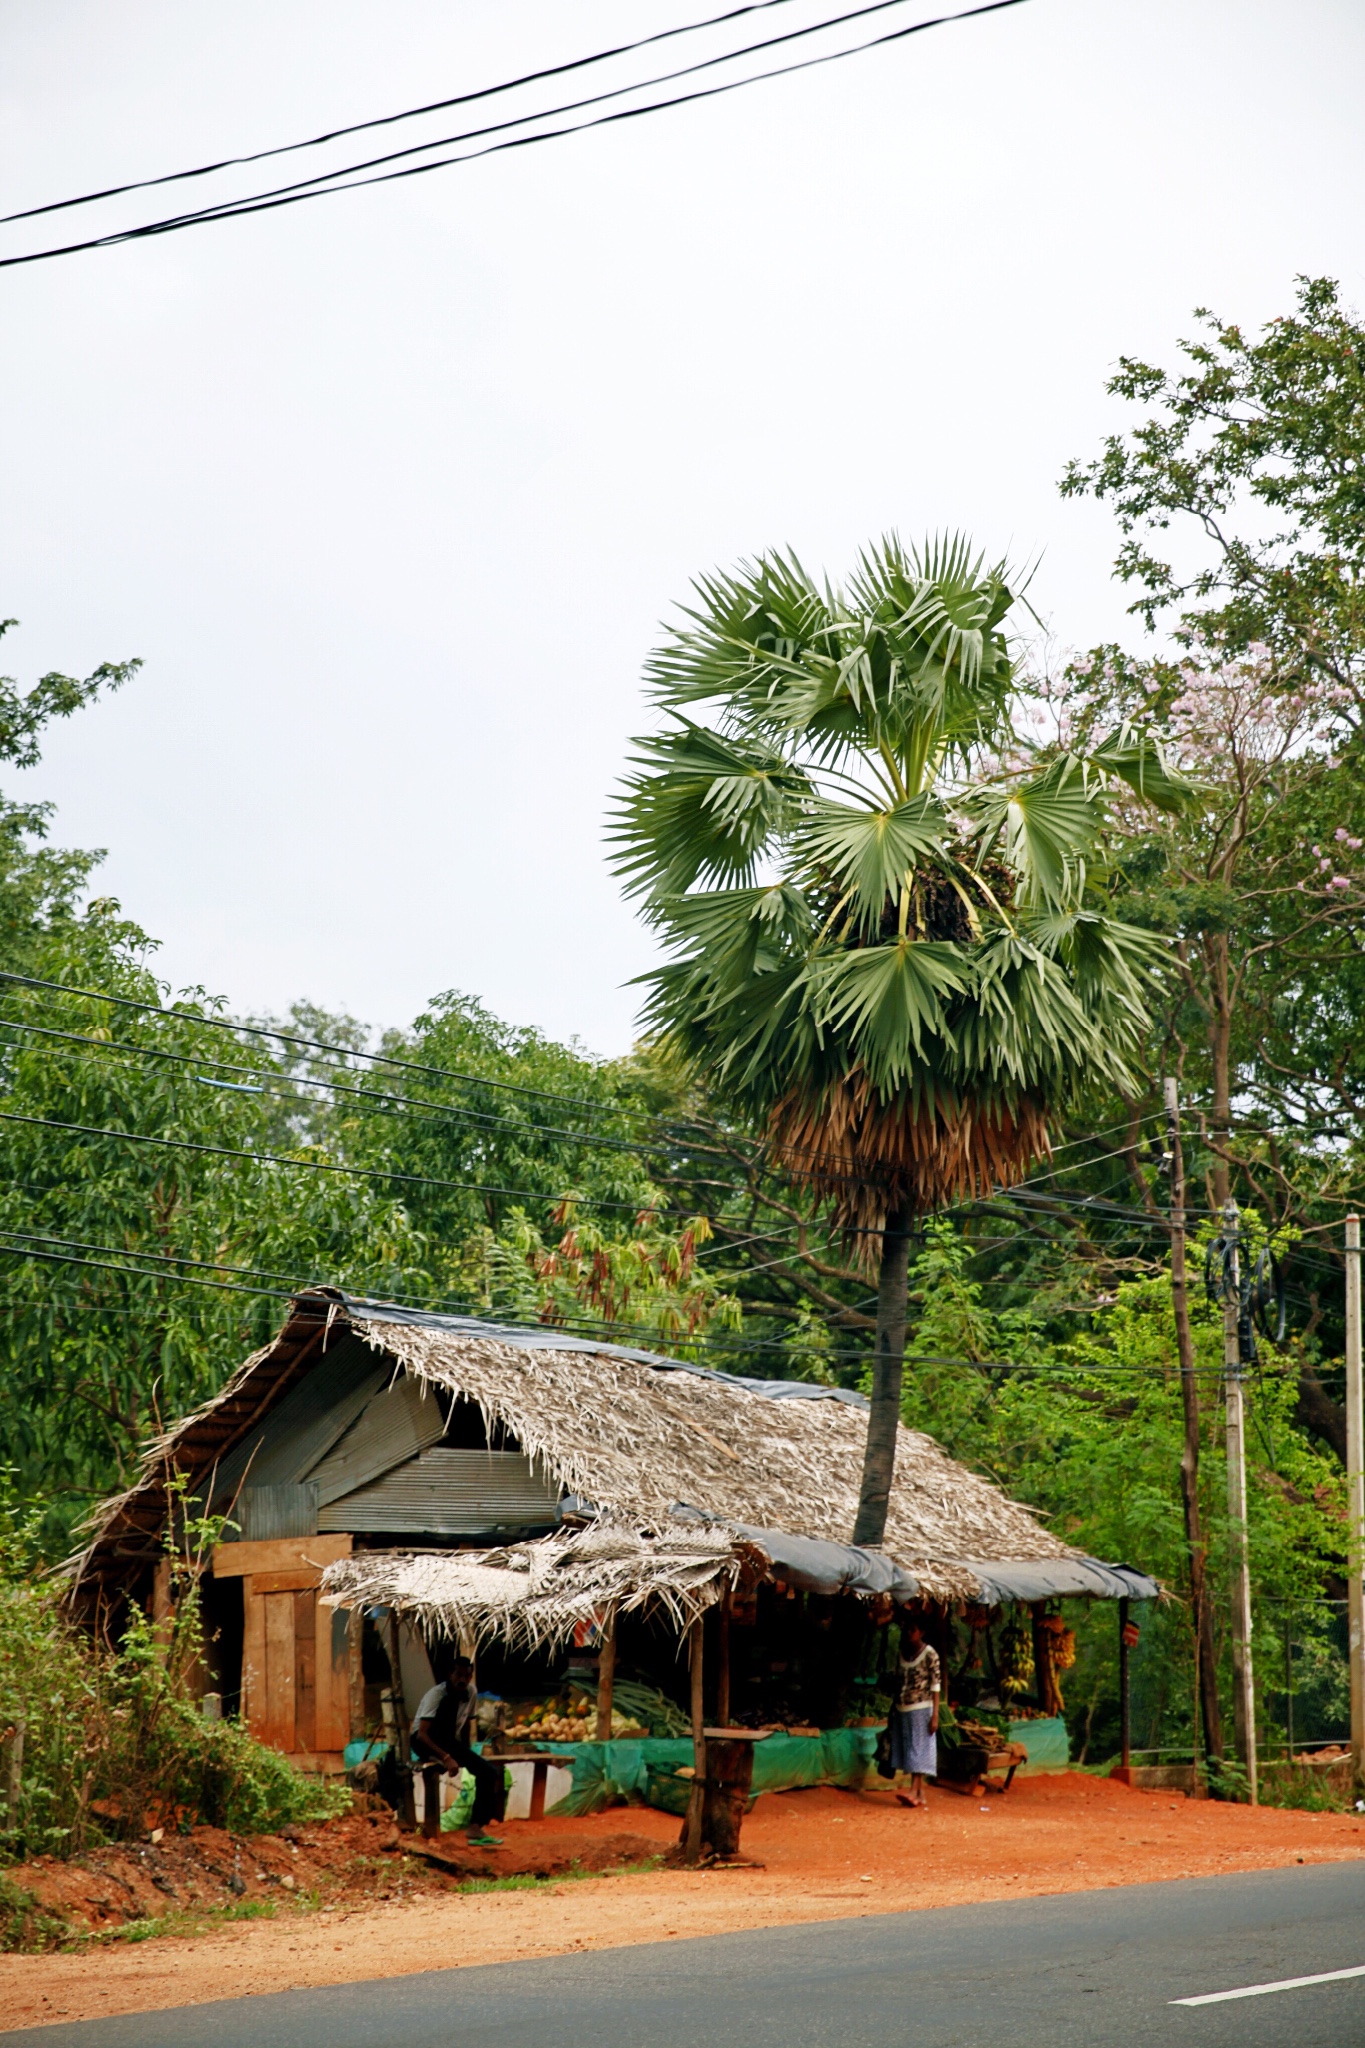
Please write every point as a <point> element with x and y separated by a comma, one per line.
<point>723,1661</point>
<point>333,1711</point>
<point>278,1724</point>
<point>691,1834</point>
<point>355,1672</point>
<point>279,1554</point>
<point>253,1661</point>
<point>302,1581</point>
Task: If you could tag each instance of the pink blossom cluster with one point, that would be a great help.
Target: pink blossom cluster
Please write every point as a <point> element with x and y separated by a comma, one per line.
<point>1234,708</point>
<point>1328,864</point>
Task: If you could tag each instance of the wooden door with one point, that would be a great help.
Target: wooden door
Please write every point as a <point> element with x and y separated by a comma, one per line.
<point>295,1668</point>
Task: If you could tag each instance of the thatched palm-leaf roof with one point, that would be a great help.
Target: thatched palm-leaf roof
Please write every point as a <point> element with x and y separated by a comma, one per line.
<point>640,1439</point>
<point>535,1594</point>
<point>630,1436</point>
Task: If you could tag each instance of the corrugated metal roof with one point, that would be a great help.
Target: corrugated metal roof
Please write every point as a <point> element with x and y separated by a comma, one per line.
<point>397,1424</point>
<point>308,1421</point>
<point>266,1511</point>
<point>450,1493</point>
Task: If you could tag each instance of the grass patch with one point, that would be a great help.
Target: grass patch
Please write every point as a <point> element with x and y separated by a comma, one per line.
<point>527,1881</point>
<point>524,1881</point>
<point>1296,1786</point>
<point>26,1927</point>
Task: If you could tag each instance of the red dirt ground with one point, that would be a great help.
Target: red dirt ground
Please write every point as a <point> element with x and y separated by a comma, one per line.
<point>827,1854</point>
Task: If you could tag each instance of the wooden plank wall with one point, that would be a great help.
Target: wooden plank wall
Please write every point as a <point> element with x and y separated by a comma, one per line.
<point>296,1679</point>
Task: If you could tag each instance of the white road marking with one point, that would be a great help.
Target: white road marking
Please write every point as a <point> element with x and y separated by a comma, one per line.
<point>1260,1990</point>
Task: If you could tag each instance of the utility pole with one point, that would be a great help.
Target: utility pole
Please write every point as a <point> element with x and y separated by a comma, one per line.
<point>1205,1661</point>
<point>1355,1505</point>
<point>1244,1697</point>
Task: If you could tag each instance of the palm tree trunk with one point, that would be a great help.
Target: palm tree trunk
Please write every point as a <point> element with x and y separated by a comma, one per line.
<point>888,1365</point>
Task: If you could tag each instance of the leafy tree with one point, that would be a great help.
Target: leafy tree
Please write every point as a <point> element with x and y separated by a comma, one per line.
<point>885,947</point>
<point>1089,1430</point>
<point>39,883</point>
<point>1257,448</point>
<point>152,1226</point>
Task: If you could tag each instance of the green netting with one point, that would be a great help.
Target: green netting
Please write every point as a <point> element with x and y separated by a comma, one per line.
<point>641,1772</point>
<point>1046,1742</point>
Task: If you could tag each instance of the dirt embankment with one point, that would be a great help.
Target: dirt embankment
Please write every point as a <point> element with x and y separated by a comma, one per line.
<point>378,1912</point>
<point>357,1861</point>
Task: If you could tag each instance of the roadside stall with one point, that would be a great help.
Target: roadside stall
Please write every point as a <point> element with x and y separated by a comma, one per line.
<point>644,1551</point>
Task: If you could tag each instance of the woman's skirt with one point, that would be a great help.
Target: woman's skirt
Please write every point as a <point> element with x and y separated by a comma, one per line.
<point>914,1748</point>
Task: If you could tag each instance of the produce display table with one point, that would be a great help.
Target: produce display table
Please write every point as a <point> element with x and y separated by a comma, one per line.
<point>433,1773</point>
<point>967,1769</point>
<point>541,1759</point>
<point>639,1771</point>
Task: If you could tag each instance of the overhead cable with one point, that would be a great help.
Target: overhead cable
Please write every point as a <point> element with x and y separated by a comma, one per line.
<point>462,99</point>
<point>345,1052</point>
<point>723,1341</point>
<point>381,1173</point>
<point>319,188</point>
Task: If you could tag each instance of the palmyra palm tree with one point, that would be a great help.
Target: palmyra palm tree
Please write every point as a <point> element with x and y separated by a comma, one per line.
<point>886,946</point>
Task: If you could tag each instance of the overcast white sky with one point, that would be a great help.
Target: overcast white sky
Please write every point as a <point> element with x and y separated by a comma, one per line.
<point>390,491</point>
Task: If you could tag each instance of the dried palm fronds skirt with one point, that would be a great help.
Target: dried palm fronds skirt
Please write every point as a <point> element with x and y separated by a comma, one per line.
<point>913,1747</point>
<point>870,1157</point>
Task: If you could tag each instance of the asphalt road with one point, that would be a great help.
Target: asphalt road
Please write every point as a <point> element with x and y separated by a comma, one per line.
<point>1083,1970</point>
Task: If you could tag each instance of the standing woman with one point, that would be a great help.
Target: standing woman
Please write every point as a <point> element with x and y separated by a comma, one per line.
<point>914,1724</point>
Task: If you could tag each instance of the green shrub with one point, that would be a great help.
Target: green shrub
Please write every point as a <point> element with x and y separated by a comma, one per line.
<point>26,1926</point>
<point>1299,1786</point>
<point>100,1741</point>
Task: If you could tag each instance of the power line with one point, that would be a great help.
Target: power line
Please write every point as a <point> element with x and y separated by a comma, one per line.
<point>382,1173</point>
<point>153,1258</point>
<point>676,1134</point>
<point>276,1083</point>
<point>343,1052</point>
<point>463,99</point>
<point>290,196</point>
<point>325,178</point>
<point>136,1273</point>
<point>590,1328</point>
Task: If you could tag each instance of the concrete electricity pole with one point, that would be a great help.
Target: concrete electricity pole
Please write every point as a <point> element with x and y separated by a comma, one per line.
<point>1244,1693</point>
<point>1355,1504</point>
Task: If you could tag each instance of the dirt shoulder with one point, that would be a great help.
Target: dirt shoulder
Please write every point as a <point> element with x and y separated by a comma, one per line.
<point>367,1911</point>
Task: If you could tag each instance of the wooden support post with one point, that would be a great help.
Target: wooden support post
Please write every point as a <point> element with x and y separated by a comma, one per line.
<point>163,1612</point>
<point>606,1679</point>
<point>355,1672</point>
<point>1355,1505</point>
<point>1244,1693</point>
<point>402,1727</point>
<point>691,1832</point>
<point>1201,1610</point>
<point>723,1661</point>
<point>1044,1673</point>
<point>729,1776</point>
<point>431,1800</point>
<point>1125,1694</point>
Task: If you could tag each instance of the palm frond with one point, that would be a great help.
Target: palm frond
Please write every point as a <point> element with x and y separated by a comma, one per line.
<point>1044,826</point>
<point>887,1001</point>
<point>891,954</point>
<point>866,853</point>
<point>1139,759</point>
<point>702,808</point>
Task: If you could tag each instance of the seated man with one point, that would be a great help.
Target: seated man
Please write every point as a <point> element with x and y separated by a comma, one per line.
<point>445,1720</point>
